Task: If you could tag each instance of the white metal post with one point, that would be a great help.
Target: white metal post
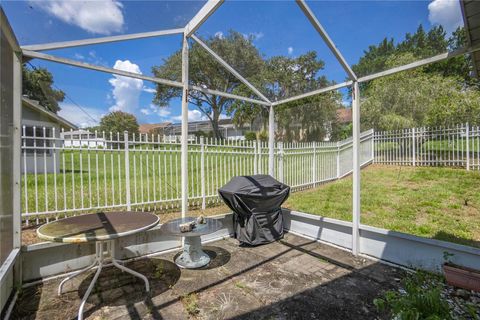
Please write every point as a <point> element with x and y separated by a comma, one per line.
<point>202,172</point>
<point>338,160</point>
<point>314,165</point>
<point>356,169</point>
<point>280,162</point>
<point>184,144</point>
<point>271,142</point>
<point>255,158</point>
<point>127,171</point>
<point>373,146</point>
<point>17,141</point>
<point>414,155</point>
<point>467,133</point>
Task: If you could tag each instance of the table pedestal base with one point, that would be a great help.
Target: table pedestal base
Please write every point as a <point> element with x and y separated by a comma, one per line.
<point>192,256</point>
<point>101,256</point>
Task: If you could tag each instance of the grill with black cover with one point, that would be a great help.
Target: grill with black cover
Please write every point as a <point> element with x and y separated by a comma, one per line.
<point>255,201</point>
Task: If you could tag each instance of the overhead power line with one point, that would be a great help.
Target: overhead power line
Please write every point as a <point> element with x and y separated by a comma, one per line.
<point>68,97</point>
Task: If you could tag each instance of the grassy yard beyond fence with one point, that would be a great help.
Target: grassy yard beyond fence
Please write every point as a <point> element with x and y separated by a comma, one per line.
<point>439,203</point>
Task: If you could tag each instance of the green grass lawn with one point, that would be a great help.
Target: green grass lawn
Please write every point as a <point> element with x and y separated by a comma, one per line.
<point>96,178</point>
<point>439,145</point>
<point>440,203</point>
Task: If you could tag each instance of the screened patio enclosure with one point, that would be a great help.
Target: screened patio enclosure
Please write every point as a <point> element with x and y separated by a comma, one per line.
<point>34,262</point>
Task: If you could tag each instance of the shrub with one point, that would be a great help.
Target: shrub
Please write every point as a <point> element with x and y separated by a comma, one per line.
<point>263,136</point>
<point>250,136</point>
<point>420,299</point>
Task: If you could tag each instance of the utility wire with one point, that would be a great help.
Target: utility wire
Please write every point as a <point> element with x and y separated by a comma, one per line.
<point>67,96</point>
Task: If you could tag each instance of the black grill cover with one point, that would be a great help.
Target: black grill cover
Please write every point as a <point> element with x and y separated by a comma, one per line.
<point>255,201</point>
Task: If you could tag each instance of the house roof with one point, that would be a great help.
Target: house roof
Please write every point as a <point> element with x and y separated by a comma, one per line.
<point>471,19</point>
<point>35,106</point>
<point>344,115</point>
<point>148,127</point>
<point>225,121</point>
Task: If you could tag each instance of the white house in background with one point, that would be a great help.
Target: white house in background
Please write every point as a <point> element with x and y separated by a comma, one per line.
<point>83,138</point>
<point>40,136</point>
<point>226,126</point>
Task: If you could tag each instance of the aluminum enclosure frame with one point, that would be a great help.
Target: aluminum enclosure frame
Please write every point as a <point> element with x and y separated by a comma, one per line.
<point>11,268</point>
<point>189,32</point>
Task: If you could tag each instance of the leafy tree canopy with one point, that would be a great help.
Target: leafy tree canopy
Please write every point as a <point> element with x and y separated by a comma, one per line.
<point>308,119</point>
<point>442,93</point>
<point>420,45</point>
<point>37,85</point>
<point>418,98</point>
<point>118,121</point>
<point>234,48</point>
<point>277,77</point>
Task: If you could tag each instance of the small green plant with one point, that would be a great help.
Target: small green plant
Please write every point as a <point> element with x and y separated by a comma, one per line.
<point>190,302</point>
<point>243,286</point>
<point>250,136</point>
<point>158,273</point>
<point>447,257</point>
<point>240,285</point>
<point>263,136</point>
<point>420,299</point>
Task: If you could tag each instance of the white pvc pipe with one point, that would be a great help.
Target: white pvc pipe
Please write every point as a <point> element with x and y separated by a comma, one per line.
<point>184,142</point>
<point>271,141</point>
<point>356,168</point>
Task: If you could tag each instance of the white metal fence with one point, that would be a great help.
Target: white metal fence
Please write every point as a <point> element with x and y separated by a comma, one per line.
<point>103,171</point>
<point>457,146</point>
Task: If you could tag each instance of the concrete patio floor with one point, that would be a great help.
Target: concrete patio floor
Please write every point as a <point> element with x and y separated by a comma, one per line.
<point>294,278</point>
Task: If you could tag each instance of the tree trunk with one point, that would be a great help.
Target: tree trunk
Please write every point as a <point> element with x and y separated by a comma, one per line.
<point>216,129</point>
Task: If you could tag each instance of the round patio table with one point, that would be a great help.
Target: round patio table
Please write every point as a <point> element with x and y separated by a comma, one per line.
<point>192,256</point>
<point>103,228</point>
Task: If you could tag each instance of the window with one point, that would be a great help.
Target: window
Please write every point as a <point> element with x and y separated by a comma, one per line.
<point>35,140</point>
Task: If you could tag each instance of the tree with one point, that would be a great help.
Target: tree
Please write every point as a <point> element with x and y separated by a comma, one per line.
<point>374,59</point>
<point>459,66</point>
<point>312,119</point>
<point>418,98</point>
<point>37,85</point>
<point>234,48</point>
<point>443,93</point>
<point>118,121</point>
<point>420,45</point>
<point>308,119</point>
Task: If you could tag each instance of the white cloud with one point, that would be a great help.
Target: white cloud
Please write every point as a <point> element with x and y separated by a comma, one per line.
<point>91,57</point>
<point>149,90</point>
<point>219,34</point>
<point>290,50</point>
<point>254,35</point>
<point>346,103</point>
<point>126,91</point>
<point>446,13</point>
<point>73,114</point>
<point>257,35</point>
<point>100,17</point>
<point>162,112</point>
<point>193,115</point>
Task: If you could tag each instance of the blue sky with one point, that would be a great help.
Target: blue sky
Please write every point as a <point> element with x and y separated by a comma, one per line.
<point>279,28</point>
